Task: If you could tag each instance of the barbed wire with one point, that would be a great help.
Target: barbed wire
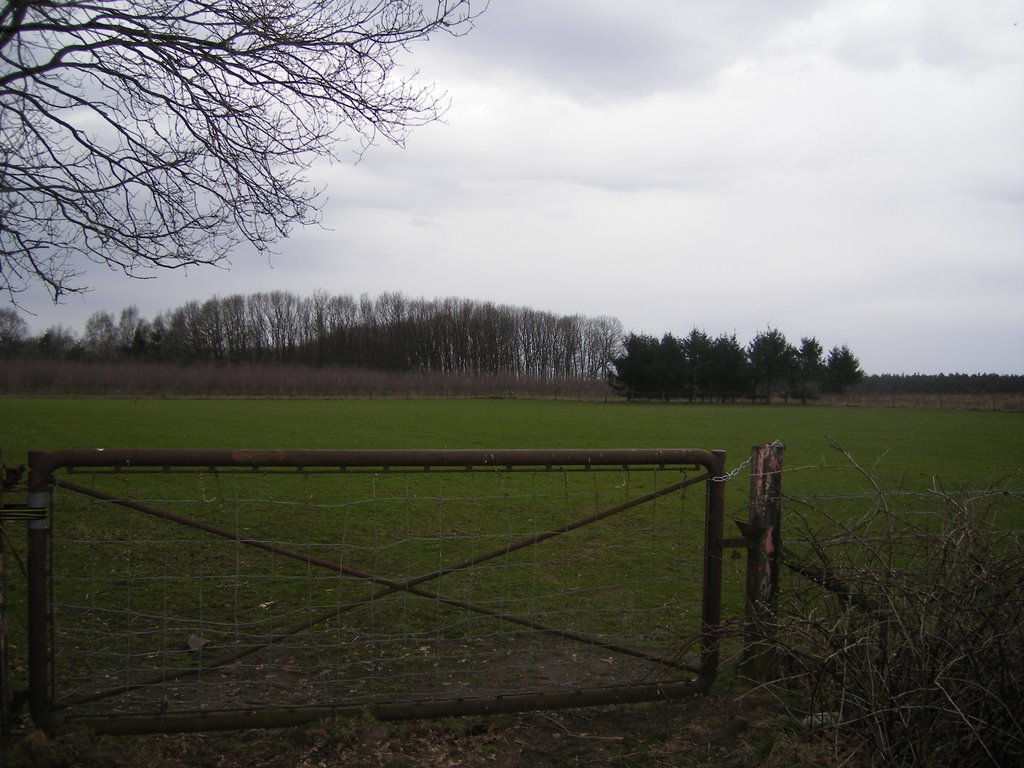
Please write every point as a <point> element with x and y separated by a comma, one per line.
<point>743,465</point>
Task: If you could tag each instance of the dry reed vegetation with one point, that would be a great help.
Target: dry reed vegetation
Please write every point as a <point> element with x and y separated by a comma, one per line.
<point>37,377</point>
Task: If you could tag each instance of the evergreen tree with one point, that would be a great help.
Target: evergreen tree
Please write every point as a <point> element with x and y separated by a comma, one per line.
<point>728,368</point>
<point>697,354</point>
<point>634,368</point>
<point>772,359</point>
<point>809,367</point>
<point>842,369</point>
<point>670,369</point>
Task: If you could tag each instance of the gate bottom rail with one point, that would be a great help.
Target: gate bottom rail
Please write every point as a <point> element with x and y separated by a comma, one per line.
<point>230,720</point>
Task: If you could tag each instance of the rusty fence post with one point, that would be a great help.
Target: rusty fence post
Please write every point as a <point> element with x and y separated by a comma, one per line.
<point>764,550</point>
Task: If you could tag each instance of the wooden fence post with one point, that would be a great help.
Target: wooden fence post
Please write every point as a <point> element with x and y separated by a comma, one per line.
<point>763,532</point>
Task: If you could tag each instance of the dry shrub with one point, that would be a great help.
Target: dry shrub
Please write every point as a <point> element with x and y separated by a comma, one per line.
<point>904,629</point>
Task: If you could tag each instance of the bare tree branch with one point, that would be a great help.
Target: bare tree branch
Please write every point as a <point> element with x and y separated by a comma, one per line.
<point>162,133</point>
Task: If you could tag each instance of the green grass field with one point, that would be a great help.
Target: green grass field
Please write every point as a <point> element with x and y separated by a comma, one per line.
<point>136,587</point>
<point>906,447</point>
<point>955,444</point>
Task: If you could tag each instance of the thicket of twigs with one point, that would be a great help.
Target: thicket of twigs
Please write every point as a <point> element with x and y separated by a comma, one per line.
<point>901,627</point>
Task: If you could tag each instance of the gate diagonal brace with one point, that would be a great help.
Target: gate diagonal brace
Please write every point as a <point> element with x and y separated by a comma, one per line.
<point>390,586</point>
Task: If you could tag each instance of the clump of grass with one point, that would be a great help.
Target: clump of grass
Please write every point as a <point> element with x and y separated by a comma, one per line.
<point>909,633</point>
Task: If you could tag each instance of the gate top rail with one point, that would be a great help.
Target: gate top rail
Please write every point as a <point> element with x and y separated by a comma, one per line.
<point>42,465</point>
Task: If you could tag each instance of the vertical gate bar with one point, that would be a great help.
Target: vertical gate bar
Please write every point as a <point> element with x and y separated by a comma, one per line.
<point>5,682</point>
<point>38,614</point>
<point>711,602</point>
<point>763,558</point>
<point>38,606</point>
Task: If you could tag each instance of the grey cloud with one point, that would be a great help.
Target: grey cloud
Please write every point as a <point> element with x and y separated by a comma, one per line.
<point>937,34</point>
<point>615,49</point>
<point>1005,191</point>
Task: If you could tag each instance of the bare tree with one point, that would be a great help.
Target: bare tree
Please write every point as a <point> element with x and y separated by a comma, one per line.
<point>100,339</point>
<point>13,330</point>
<point>57,342</point>
<point>160,133</point>
<point>603,345</point>
<point>238,340</point>
<point>128,324</point>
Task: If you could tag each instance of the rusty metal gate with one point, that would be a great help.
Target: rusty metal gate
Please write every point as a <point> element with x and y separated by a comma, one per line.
<point>180,590</point>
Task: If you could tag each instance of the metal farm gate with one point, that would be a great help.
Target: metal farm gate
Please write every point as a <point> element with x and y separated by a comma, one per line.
<point>180,590</point>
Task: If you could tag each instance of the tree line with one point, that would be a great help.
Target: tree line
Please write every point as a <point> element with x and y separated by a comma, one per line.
<point>395,334</point>
<point>391,332</point>
<point>699,367</point>
<point>941,384</point>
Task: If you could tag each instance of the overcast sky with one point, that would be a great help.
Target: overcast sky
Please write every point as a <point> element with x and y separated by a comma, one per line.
<point>848,170</point>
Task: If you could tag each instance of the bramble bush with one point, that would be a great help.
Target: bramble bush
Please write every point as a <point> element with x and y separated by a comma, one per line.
<point>904,630</point>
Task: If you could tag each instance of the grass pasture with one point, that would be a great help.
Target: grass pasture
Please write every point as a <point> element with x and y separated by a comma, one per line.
<point>232,590</point>
<point>905,447</point>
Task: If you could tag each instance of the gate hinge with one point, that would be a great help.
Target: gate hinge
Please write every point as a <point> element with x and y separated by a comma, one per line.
<point>21,512</point>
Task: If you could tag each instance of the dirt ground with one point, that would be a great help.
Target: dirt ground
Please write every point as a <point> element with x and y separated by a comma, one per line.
<point>727,728</point>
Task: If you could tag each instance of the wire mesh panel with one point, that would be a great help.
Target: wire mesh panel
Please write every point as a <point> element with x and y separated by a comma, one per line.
<point>219,589</point>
